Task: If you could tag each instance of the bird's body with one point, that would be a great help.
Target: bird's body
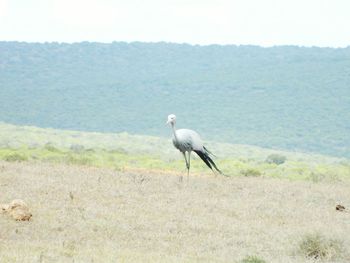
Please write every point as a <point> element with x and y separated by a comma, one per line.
<point>186,140</point>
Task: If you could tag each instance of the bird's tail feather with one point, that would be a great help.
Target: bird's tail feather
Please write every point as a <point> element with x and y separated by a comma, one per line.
<point>209,152</point>
<point>208,161</point>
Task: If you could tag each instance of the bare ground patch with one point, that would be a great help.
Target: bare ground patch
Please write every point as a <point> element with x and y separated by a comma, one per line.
<point>89,214</point>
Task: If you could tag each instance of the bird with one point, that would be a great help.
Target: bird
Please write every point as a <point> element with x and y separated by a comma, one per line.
<point>186,140</point>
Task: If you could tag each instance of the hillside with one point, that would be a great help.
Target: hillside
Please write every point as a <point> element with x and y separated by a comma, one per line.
<point>287,97</point>
<point>124,152</point>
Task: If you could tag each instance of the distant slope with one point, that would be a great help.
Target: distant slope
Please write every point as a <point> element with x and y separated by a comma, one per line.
<point>12,136</point>
<point>134,152</point>
<point>281,97</point>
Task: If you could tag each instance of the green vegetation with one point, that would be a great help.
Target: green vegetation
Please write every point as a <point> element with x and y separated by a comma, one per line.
<point>122,161</point>
<point>250,172</point>
<point>276,159</point>
<point>292,98</point>
<point>252,259</point>
<point>123,152</point>
<point>316,246</point>
<point>15,157</point>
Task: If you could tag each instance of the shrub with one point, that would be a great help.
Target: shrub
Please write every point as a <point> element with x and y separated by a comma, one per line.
<point>315,246</point>
<point>118,151</point>
<point>15,157</point>
<point>252,259</point>
<point>78,160</point>
<point>251,172</point>
<point>316,177</point>
<point>276,159</point>
<point>48,146</point>
<point>77,148</point>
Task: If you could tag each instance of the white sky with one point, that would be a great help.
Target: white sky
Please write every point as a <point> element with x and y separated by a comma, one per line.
<point>257,22</point>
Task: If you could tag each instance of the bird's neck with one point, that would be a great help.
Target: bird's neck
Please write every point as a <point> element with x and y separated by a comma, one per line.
<point>174,131</point>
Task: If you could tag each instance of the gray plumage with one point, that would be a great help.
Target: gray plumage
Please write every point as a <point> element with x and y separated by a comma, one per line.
<point>186,140</point>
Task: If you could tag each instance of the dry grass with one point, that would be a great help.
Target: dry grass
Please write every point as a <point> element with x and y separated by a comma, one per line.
<point>87,214</point>
<point>316,246</point>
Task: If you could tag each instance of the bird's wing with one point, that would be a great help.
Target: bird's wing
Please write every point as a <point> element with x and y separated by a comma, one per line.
<point>190,137</point>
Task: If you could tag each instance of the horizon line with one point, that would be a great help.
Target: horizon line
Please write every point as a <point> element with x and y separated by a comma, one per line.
<point>172,43</point>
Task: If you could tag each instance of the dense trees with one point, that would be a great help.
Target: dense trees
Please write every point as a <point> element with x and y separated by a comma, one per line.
<point>282,97</point>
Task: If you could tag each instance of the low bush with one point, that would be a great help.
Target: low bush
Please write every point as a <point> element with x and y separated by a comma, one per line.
<point>251,172</point>
<point>15,157</point>
<point>78,160</point>
<point>77,148</point>
<point>276,159</point>
<point>316,246</point>
<point>51,148</point>
<point>252,259</point>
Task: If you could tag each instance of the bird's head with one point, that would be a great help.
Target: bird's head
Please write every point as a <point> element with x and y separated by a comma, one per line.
<point>171,119</point>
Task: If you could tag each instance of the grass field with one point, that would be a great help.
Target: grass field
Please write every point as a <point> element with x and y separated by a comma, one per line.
<point>88,214</point>
<point>123,151</point>
<point>117,198</point>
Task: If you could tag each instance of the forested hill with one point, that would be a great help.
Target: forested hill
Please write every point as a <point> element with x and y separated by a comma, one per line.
<point>284,97</point>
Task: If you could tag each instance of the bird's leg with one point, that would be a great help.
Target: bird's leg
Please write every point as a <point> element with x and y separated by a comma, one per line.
<point>184,153</point>
<point>189,165</point>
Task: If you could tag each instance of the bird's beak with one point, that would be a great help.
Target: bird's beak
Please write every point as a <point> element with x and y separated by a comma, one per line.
<point>167,122</point>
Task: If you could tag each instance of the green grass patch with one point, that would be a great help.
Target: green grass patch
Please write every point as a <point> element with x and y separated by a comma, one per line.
<point>252,259</point>
<point>15,157</point>
<point>119,159</point>
<point>251,172</point>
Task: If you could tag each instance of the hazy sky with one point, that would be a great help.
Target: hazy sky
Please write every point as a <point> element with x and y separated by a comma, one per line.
<point>258,22</point>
